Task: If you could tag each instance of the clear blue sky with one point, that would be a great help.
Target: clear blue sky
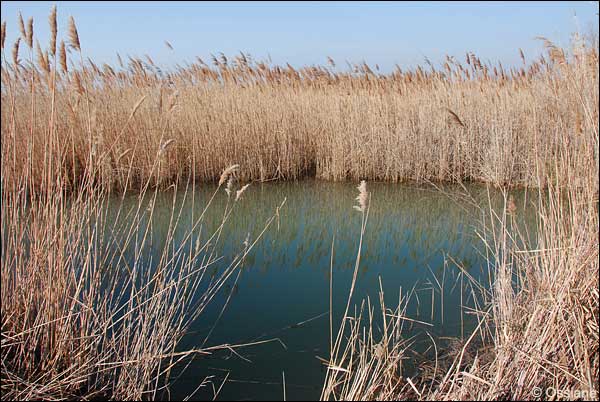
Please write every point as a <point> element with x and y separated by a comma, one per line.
<point>304,33</point>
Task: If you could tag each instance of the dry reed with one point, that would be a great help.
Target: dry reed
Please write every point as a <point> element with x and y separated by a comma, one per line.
<point>80,320</point>
<point>65,335</point>
<point>466,122</point>
<point>537,318</point>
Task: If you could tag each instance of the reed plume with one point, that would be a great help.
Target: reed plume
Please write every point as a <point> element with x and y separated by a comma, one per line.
<point>62,57</point>
<point>229,187</point>
<point>53,30</point>
<point>239,193</point>
<point>363,197</point>
<point>15,52</point>
<point>511,207</point>
<point>3,34</point>
<point>22,29</point>
<point>123,154</point>
<point>522,55</point>
<point>556,54</point>
<point>73,35</point>
<point>137,106</point>
<point>29,36</point>
<point>77,83</point>
<point>41,58</point>
<point>166,145</point>
<point>455,119</point>
<point>172,101</point>
<point>227,173</point>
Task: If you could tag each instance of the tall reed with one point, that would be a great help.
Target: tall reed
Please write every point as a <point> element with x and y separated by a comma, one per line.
<point>472,121</point>
<point>79,320</point>
<point>84,314</point>
<point>537,318</point>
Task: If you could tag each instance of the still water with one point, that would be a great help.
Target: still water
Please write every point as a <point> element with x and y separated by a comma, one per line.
<point>283,289</point>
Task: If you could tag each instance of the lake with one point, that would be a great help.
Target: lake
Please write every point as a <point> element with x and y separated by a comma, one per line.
<point>283,289</point>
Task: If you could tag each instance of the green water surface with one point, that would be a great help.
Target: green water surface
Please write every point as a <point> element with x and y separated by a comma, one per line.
<point>410,233</point>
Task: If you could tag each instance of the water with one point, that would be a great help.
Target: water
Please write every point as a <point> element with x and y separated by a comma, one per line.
<point>285,279</point>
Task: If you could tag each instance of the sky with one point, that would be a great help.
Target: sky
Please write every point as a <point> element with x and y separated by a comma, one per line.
<point>306,33</point>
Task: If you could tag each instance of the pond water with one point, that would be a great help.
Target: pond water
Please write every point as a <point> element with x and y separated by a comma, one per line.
<point>283,289</point>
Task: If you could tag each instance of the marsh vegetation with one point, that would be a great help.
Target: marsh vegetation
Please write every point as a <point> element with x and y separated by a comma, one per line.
<point>98,297</point>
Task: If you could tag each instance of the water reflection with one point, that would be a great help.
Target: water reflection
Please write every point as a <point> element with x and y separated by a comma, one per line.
<point>285,280</point>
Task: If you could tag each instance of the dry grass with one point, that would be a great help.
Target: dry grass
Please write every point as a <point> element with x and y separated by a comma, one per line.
<point>537,333</point>
<point>466,121</point>
<point>81,317</point>
<point>537,318</point>
<point>68,328</point>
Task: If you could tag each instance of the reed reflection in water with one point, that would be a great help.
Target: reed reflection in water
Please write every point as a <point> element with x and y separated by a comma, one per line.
<point>411,232</point>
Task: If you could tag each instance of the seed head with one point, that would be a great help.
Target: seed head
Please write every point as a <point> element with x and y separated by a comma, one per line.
<point>15,52</point>
<point>229,187</point>
<point>62,53</point>
<point>166,145</point>
<point>53,30</point>
<point>227,173</point>
<point>73,35</point>
<point>239,193</point>
<point>3,33</point>
<point>362,198</point>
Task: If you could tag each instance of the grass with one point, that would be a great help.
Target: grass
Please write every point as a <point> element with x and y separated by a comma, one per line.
<point>537,332</point>
<point>82,319</point>
<point>469,120</point>
<point>537,320</point>
<point>79,320</point>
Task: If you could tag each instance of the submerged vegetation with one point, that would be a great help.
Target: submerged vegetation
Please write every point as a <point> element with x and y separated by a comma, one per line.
<point>80,320</point>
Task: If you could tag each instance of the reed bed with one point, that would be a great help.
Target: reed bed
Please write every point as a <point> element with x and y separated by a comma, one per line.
<point>81,321</point>
<point>466,120</point>
<point>537,319</point>
<point>85,314</point>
